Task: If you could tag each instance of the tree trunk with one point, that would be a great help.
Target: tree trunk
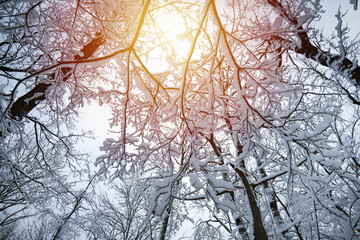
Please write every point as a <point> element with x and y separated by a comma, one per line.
<point>258,226</point>
<point>24,104</point>
<point>337,63</point>
<point>259,230</point>
<point>165,222</point>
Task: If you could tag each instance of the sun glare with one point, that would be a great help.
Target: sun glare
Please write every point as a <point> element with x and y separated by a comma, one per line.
<point>173,26</point>
<point>175,38</point>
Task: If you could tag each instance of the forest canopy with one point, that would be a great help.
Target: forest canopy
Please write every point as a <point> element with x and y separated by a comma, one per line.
<point>239,117</point>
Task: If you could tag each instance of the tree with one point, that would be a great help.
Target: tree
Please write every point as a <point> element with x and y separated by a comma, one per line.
<point>246,114</point>
<point>122,213</point>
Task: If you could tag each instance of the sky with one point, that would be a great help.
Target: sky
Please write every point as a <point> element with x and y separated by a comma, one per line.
<point>328,20</point>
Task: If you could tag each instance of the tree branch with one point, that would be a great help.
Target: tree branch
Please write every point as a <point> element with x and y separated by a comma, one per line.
<point>259,230</point>
<point>338,63</point>
<point>23,105</point>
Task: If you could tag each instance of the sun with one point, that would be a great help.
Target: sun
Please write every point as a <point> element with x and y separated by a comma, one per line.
<point>174,26</point>
<point>174,35</point>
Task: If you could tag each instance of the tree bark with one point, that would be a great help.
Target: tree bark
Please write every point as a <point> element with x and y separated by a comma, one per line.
<point>24,104</point>
<point>165,222</point>
<point>238,221</point>
<point>338,63</point>
<point>259,230</point>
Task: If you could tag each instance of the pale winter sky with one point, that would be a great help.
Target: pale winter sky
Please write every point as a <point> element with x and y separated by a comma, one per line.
<point>328,21</point>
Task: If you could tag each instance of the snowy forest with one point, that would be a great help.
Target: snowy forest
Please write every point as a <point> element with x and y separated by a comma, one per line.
<point>219,119</point>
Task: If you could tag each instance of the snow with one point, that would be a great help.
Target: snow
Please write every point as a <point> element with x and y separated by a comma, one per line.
<point>211,180</point>
<point>161,183</point>
<point>303,19</point>
<point>4,178</point>
<point>222,168</point>
<point>194,162</point>
<point>225,49</point>
<point>175,152</point>
<point>223,205</point>
<point>277,23</point>
<point>195,181</point>
<point>348,231</point>
<point>36,95</point>
<point>220,183</point>
<point>352,194</point>
<point>164,203</point>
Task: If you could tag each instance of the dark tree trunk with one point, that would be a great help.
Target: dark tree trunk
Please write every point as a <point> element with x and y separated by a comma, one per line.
<point>24,104</point>
<point>165,222</point>
<point>238,221</point>
<point>339,64</point>
<point>259,230</point>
